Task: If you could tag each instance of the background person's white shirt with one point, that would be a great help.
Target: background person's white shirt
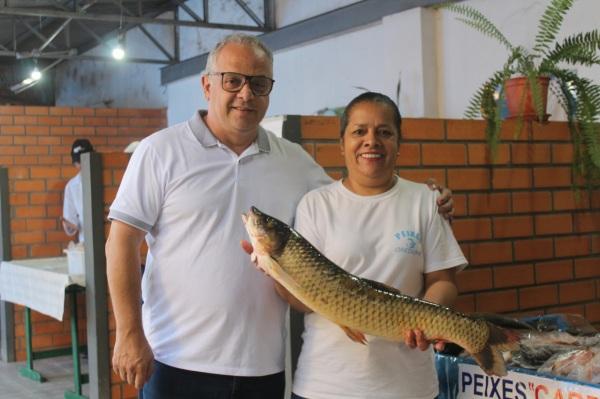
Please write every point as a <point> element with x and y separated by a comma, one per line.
<point>73,204</point>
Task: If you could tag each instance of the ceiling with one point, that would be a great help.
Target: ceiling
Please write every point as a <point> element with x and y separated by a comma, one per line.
<point>48,32</point>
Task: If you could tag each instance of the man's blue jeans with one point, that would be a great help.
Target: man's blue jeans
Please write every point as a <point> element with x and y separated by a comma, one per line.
<point>173,383</point>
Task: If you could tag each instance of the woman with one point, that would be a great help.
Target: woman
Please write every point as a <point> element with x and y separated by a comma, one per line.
<point>379,226</point>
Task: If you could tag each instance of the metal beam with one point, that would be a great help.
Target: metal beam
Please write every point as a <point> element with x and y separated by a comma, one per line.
<point>250,13</point>
<point>35,32</point>
<point>336,21</point>
<point>125,19</point>
<point>189,11</point>
<point>61,55</point>
<point>7,316</point>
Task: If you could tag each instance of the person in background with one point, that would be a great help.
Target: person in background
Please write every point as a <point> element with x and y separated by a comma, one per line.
<point>210,326</point>
<point>376,225</point>
<point>72,217</point>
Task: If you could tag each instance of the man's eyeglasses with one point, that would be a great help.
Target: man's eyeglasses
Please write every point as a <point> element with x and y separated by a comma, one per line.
<point>233,82</point>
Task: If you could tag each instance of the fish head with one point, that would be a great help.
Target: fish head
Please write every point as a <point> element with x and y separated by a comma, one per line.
<point>268,235</point>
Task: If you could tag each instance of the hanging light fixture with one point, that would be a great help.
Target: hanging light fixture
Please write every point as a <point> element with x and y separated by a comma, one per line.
<point>118,52</point>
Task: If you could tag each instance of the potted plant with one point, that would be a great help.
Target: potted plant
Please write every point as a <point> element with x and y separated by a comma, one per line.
<point>524,79</point>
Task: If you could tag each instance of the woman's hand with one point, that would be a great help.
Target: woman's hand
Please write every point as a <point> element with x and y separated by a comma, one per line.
<point>416,339</point>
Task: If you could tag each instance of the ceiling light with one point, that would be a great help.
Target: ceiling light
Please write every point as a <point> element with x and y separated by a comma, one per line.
<point>27,81</point>
<point>35,74</point>
<point>118,53</point>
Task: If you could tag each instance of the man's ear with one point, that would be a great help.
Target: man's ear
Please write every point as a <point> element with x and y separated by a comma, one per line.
<point>205,81</point>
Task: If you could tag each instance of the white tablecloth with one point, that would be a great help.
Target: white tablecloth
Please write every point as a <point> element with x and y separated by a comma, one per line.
<point>38,284</point>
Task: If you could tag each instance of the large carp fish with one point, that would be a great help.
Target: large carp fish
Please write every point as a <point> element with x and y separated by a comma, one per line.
<point>365,305</point>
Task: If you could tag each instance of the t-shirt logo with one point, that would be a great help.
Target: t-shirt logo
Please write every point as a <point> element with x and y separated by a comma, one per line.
<point>409,242</point>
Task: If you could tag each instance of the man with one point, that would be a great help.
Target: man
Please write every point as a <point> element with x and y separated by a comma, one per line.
<point>72,218</point>
<point>211,325</point>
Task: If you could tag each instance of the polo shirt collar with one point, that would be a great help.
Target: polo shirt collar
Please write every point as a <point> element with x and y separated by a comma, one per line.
<point>207,139</point>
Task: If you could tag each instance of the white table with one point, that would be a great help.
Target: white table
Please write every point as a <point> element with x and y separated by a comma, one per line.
<point>38,284</point>
<point>41,284</point>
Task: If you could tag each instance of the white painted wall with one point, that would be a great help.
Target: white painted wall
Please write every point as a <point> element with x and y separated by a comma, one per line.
<point>439,60</point>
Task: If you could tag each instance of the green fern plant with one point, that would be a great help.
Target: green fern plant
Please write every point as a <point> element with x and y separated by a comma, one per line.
<point>579,97</point>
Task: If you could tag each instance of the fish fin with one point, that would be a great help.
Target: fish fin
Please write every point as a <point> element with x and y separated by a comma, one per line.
<point>354,335</point>
<point>274,269</point>
<point>490,359</point>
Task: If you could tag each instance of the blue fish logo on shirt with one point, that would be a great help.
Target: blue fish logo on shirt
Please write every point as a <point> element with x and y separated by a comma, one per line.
<point>409,242</point>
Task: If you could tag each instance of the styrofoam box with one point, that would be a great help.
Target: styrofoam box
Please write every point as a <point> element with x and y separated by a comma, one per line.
<point>75,260</point>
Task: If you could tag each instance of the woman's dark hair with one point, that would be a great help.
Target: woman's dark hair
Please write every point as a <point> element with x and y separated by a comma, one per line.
<point>370,97</point>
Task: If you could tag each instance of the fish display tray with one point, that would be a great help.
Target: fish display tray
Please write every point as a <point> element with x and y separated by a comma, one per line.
<point>461,378</point>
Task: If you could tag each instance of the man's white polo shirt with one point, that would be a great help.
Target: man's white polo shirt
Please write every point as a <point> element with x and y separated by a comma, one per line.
<point>206,307</point>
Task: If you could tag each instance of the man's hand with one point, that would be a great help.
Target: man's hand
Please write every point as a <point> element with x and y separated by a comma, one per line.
<point>416,339</point>
<point>132,359</point>
<point>444,201</point>
<point>247,247</point>
<point>69,228</point>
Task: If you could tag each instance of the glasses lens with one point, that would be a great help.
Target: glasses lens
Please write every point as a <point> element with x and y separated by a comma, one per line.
<point>232,81</point>
<point>260,85</point>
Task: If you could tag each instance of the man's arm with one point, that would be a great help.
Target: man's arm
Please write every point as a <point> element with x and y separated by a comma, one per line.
<point>132,357</point>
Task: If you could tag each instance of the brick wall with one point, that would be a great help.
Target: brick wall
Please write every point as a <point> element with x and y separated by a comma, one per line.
<point>532,247</point>
<point>35,145</point>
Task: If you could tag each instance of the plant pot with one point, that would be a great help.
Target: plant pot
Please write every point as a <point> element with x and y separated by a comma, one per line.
<point>519,100</point>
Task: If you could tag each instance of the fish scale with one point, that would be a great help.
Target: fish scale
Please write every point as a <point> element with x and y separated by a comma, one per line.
<point>365,305</point>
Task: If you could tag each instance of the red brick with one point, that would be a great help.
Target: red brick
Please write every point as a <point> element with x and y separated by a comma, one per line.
<point>62,111</point>
<point>557,223</point>
<point>25,120</point>
<point>72,120</point>
<point>95,121</point>
<point>472,229</point>
<point>30,212</point>
<point>408,155</point>
<point>497,301</point>
<point>513,276</point>
<point>512,130</point>
<point>61,131</point>
<point>106,111</point>
<point>422,129</point>
<point>547,272</point>
<point>6,120</point>
<point>329,155</point>
<point>41,224</point>
<point>444,154</point>
<point>490,252</point>
<point>11,110</point>
<point>572,246</point>
<point>12,129</point>
<point>551,131</point>
<point>25,140</point>
<point>83,111</point>
<point>587,222</point>
<point>421,175</point>
<point>579,291</point>
<point>567,309</point>
<point>535,297</point>
<point>511,178</point>
<point>474,280</point>
<point>26,160</point>
<point>526,202</point>
<point>13,150</point>
<point>30,186</point>
<point>552,177</point>
<point>32,110</point>
<point>38,172</point>
<point>587,267</point>
<point>460,129</point>
<point>513,226</point>
<point>533,249</point>
<point>18,172</point>
<point>465,303</point>
<point>528,153</point>
<point>488,203</point>
<point>37,130</point>
<point>568,199</point>
<point>562,153</point>
<point>28,237</point>
<point>592,312</point>
<point>479,154</point>
<point>469,179</point>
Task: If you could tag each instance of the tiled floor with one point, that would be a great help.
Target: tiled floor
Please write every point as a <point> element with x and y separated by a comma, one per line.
<point>58,371</point>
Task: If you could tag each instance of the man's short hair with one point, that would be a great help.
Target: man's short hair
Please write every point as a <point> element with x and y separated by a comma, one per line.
<point>239,38</point>
<point>80,146</point>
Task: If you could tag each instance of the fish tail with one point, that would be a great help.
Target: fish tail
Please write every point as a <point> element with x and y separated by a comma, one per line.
<point>490,358</point>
